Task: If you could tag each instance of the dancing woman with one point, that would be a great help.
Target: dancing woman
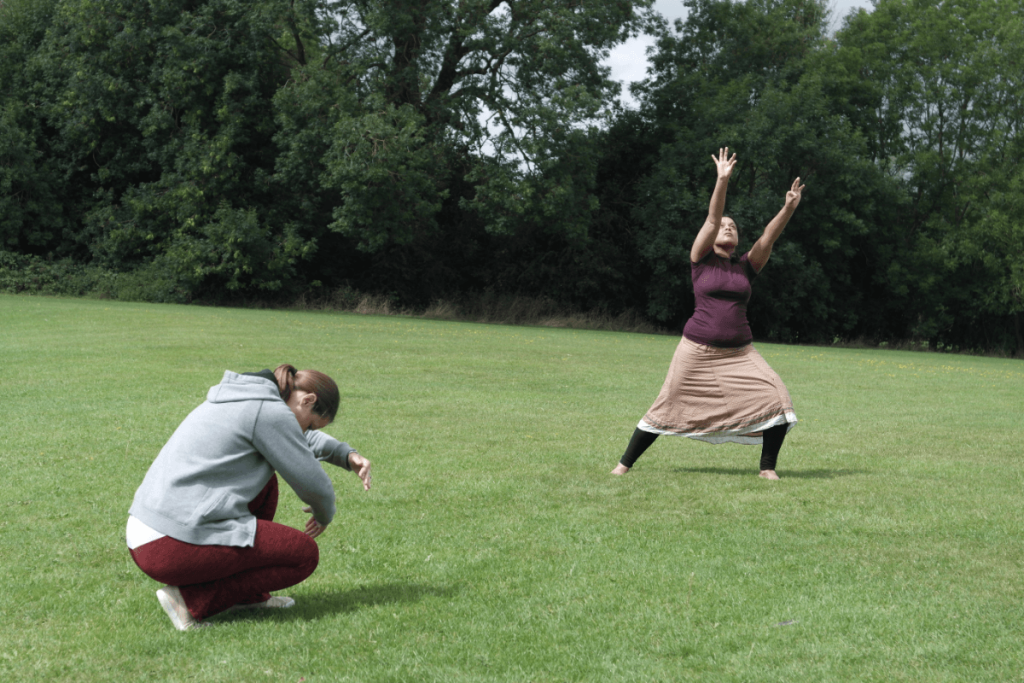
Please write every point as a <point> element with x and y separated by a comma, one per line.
<point>719,389</point>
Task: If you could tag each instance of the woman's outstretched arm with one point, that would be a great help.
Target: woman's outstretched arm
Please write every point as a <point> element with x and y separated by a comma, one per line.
<point>762,249</point>
<point>709,231</point>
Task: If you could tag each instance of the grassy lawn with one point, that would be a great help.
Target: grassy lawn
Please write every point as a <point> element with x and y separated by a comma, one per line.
<point>494,545</point>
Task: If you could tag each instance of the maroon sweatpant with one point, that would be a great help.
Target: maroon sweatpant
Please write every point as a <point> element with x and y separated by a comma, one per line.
<point>212,578</point>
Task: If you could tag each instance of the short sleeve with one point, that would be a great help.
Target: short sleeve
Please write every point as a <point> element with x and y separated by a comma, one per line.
<point>748,267</point>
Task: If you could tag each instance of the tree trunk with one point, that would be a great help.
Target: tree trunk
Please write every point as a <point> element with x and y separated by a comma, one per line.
<point>1020,338</point>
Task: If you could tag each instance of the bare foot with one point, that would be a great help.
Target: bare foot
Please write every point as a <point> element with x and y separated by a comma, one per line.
<point>768,474</point>
<point>620,469</point>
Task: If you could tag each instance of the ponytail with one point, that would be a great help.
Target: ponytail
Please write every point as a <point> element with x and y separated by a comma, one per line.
<point>285,375</point>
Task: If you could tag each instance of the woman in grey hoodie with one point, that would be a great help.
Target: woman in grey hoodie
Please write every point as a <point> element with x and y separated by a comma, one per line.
<point>201,521</point>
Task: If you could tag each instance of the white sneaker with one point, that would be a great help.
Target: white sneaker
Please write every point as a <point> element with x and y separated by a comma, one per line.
<point>172,602</point>
<point>275,602</point>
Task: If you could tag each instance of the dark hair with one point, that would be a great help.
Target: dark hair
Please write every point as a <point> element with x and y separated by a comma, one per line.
<point>313,382</point>
<point>734,257</point>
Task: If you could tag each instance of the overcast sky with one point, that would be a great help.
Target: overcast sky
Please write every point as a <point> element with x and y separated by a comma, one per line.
<point>629,60</point>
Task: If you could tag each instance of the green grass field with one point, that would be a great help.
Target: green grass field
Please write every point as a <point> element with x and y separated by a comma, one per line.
<point>494,545</point>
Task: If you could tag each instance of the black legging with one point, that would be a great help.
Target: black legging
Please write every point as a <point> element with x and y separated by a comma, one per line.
<point>639,443</point>
<point>770,447</point>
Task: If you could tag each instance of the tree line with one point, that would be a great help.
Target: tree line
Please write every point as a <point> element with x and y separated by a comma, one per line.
<point>219,150</point>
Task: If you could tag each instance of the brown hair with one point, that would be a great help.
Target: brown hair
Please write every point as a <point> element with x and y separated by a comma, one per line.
<point>311,381</point>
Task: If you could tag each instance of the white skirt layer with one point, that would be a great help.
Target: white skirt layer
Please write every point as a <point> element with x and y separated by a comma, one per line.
<point>753,437</point>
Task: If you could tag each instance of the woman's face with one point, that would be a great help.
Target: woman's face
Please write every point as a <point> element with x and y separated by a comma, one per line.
<point>301,403</point>
<point>728,235</point>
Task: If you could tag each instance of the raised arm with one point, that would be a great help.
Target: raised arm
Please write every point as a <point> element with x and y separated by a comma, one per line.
<point>709,231</point>
<point>762,249</point>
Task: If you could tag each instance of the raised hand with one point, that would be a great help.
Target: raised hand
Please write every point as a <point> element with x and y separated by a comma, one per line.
<point>794,195</point>
<point>723,163</point>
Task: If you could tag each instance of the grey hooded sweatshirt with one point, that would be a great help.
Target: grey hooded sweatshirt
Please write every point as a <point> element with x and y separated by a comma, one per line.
<point>222,455</point>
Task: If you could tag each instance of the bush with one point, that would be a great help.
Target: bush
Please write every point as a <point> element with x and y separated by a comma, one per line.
<point>35,275</point>
<point>25,274</point>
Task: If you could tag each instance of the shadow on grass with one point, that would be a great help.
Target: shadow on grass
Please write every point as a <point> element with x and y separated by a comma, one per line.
<point>784,473</point>
<point>345,601</point>
<point>381,594</point>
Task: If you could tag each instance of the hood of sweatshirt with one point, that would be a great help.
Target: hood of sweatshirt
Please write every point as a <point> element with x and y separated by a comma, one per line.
<point>236,387</point>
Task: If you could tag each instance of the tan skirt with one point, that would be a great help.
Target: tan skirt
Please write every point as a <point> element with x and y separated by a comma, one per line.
<point>719,395</point>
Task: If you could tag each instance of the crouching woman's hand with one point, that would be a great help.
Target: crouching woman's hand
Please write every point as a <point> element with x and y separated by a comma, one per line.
<point>361,466</point>
<point>313,527</point>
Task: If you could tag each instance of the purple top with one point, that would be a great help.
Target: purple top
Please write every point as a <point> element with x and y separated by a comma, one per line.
<point>722,290</point>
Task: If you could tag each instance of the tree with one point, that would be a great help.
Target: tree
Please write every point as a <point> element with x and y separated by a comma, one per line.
<point>994,243</point>
<point>164,124</point>
<point>32,217</point>
<point>497,91</point>
<point>942,115</point>
<point>242,146</point>
<point>747,76</point>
